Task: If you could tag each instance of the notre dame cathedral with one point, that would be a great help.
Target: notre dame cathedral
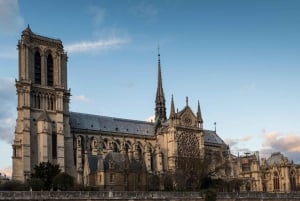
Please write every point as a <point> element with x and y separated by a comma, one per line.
<point>110,153</point>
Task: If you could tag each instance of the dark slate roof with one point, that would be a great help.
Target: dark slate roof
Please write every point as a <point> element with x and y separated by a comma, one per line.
<point>211,137</point>
<point>277,159</point>
<point>119,160</point>
<point>93,163</point>
<point>110,124</point>
<point>118,125</point>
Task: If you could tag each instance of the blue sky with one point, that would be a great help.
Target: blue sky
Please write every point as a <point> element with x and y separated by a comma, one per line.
<point>240,59</point>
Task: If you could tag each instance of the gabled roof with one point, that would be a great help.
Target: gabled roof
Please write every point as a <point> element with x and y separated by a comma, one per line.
<point>277,159</point>
<point>110,124</point>
<point>126,126</point>
<point>93,163</point>
<point>211,137</point>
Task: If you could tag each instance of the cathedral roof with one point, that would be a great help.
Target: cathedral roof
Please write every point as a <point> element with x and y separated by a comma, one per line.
<point>211,137</point>
<point>93,163</point>
<point>110,124</point>
<point>277,159</point>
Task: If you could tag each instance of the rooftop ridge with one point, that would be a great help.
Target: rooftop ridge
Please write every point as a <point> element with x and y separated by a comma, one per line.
<point>115,118</point>
<point>42,37</point>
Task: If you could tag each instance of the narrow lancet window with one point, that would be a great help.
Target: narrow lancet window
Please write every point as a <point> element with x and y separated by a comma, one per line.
<point>37,68</point>
<point>54,145</point>
<point>49,70</point>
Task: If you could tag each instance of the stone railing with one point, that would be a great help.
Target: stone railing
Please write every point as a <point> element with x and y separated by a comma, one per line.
<point>141,196</point>
<point>258,196</point>
<point>97,195</point>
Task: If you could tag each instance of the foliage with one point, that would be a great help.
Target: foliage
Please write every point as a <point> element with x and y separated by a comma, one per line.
<point>210,194</point>
<point>12,186</point>
<point>46,173</point>
<point>35,184</point>
<point>198,173</point>
<point>63,181</point>
<point>154,183</point>
<point>168,183</point>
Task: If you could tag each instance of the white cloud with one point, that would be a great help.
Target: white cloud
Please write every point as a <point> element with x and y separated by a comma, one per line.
<point>10,18</point>
<point>282,142</point>
<point>151,118</point>
<point>7,109</point>
<point>236,141</point>
<point>6,171</point>
<point>92,46</point>
<point>81,98</point>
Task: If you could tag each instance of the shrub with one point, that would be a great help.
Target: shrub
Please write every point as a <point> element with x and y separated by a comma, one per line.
<point>35,184</point>
<point>63,181</point>
<point>12,186</point>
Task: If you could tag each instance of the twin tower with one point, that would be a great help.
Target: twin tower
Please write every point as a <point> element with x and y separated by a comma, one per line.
<point>43,105</point>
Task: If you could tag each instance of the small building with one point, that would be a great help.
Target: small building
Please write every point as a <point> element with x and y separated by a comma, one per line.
<point>273,174</point>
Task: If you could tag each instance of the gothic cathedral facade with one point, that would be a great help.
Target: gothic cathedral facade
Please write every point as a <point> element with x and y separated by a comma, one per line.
<point>112,153</point>
<point>107,152</point>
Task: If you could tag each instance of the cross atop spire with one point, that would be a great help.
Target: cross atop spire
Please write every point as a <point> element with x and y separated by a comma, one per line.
<point>158,52</point>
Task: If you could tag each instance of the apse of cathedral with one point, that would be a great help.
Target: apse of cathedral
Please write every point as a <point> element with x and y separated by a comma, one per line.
<point>109,153</point>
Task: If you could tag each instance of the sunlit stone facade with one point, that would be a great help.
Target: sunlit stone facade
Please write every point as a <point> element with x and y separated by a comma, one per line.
<point>273,174</point>
<point>112,153</point>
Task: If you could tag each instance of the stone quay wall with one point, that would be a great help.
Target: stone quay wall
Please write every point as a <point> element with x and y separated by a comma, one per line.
<point>140,196</point>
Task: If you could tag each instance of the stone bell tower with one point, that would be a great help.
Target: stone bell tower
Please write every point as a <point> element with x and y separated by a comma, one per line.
<point>42,131</point>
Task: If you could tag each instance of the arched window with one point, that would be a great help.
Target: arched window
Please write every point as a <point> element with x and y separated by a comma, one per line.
<point>54,145</point>
<point>38,101</point>
<point>139,150</point>
<point>126,148</point>
<point>276,181</point>
<point>102,146</point>
<point>114,147</point>
<point>37,68</point>
<point>50,102</point>
<point>49,70</point>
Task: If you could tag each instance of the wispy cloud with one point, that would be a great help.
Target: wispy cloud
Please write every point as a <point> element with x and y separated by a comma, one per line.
<point>6,171</point>
<point>8,53</point>
<point>145,10</point>
<point>282,142</point>
<point>10,18</point>
<point>98,45</point>
<point>7,109</point>
<point>286,143</point>
<point>248,88</point>
<point>81,98</point>
<point>236,141</point>
<point>98,14</point>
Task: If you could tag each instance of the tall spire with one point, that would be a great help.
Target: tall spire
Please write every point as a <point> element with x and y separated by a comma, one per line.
<point>172,112</point>
<point>199,115</point>
<point>160,102</point>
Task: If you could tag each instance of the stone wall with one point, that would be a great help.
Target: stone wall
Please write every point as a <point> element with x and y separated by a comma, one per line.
<point>258,196</point>
<point>141,196</point>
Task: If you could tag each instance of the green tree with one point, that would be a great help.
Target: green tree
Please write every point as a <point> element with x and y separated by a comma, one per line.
<point>63,181</point>
<point>12,186</point>
<point>46,173</point>
<point>35,184</point>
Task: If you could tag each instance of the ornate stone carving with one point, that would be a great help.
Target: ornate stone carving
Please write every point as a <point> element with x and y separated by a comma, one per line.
<point>188,144</point>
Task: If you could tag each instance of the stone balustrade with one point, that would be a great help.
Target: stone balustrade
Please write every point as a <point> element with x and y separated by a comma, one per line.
<point>141,196</point>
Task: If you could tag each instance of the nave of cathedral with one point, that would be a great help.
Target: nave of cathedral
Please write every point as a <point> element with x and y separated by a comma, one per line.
<point>112,153</point>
